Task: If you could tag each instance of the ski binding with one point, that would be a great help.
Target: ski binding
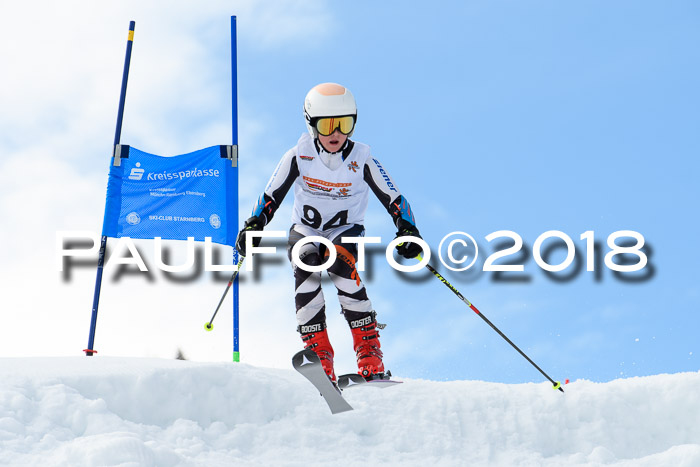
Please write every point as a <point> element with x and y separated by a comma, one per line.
<point>355,379</point>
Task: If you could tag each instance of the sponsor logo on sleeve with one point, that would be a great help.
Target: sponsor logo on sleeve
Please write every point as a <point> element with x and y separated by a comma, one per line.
<point>385,176</point>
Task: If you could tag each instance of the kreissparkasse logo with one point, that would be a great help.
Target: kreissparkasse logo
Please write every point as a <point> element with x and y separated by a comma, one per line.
<point>136,172</point>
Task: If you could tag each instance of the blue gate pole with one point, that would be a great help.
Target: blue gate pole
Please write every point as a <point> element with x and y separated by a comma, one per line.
<point>103,245</point>
<point>234,129</point>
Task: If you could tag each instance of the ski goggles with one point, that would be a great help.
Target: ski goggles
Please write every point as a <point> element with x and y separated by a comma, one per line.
<point>327,125</point>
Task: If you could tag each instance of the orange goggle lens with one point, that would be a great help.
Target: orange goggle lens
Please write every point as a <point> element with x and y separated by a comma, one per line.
<point>327,125</point>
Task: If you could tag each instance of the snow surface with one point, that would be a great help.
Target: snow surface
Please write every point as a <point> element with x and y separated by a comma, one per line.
<point>141,412</point>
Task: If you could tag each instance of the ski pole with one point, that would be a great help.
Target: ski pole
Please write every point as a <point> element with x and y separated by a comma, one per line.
<point>208,325</point>
<point>555,384</point>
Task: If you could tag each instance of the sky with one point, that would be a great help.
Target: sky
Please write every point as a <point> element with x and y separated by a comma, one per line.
<point>490,116</point>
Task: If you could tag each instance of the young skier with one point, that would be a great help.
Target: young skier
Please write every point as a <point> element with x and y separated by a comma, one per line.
<point>332,176</point>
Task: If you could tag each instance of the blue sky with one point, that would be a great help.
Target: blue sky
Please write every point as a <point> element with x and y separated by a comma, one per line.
<point>490,116</point>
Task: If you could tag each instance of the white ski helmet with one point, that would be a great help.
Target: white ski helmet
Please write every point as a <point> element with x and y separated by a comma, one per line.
<point>328,100</point>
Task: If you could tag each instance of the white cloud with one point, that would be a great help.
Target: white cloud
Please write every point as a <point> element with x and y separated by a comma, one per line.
<point>62,69</point>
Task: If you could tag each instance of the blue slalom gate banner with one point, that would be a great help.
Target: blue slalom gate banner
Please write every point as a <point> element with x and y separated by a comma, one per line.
<point>191,195</point>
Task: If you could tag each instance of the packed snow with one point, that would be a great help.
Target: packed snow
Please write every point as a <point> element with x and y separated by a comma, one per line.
<point>110,411</point>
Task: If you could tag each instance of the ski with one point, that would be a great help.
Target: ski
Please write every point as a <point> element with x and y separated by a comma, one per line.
<point>309,365</point>
<point>354,379</point>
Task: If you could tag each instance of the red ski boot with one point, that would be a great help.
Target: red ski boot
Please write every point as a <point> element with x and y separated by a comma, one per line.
<point>365,339</point>
<point>318,341</point>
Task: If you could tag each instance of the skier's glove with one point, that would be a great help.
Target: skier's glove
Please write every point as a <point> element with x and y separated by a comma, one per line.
<point>409,249</point>
<point>254,223</point>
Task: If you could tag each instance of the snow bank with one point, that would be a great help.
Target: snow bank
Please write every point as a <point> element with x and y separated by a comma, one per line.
<point>141,412</point>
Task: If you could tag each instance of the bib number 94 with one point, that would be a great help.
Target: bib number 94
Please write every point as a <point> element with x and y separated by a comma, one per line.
<point>312,218</point>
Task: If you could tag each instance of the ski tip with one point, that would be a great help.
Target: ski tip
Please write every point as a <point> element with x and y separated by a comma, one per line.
<point>304,357</point>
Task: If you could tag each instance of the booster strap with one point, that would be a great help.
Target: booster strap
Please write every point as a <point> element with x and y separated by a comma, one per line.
<point>304,329</point>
